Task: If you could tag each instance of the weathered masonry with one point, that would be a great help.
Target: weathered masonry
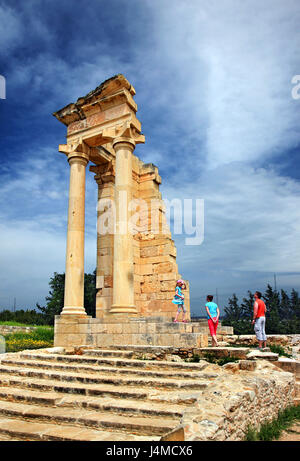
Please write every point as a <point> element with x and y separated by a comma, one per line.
<point>136,259</point>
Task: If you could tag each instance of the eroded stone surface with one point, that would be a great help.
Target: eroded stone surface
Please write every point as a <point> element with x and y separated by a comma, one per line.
<point>89,394</point>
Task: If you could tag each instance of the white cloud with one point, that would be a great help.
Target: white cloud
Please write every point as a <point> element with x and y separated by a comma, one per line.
<point>29,257</point>
<point>225,72</point>
<point>34,206</point>
<point>213,83</point>
<point>11,29</point>
<point>252,220</point>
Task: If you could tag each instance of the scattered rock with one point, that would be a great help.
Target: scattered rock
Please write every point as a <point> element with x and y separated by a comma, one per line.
<point>173,358</point>
<point>248,365</point>
<point>256,355</point>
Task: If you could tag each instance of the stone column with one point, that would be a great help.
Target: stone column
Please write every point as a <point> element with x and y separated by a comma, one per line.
<point>123,284</point>
<point>74,281</point>
<point>104,178</point>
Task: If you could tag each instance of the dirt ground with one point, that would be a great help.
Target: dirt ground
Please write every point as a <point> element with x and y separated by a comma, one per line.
<point>292,434</point>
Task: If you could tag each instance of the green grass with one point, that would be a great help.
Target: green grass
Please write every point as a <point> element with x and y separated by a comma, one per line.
<point>11,323</point>
<point>39,338</point>
<point>279,350</point>
<point>220,361</point>
<point>272,430</point>
<point>196,358</point>
<point>209,357</point>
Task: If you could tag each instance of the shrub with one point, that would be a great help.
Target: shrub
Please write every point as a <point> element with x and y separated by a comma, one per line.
<point>272,430</point>
<point>279,350</point>
<point>196,358</point>
<point>41,337</point>
<point>17,345</point>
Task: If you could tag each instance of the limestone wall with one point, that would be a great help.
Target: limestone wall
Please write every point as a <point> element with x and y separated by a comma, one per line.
<point>155,266</point>
<point>8,329</point>
<point>239,398</point>
<point>73,331</point>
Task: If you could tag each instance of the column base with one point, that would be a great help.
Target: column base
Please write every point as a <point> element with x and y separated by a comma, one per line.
<point>74,310</point>
<point>121,309</point>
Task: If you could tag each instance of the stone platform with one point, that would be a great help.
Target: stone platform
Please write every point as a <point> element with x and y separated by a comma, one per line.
<point>108,395</point>
<point>76,331</point>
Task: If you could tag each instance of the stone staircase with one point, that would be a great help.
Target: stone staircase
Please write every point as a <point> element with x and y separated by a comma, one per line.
<point>101,395</point>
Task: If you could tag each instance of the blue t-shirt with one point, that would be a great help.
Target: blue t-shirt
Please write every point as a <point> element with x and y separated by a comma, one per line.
<point>212,307</point>
<point>177,299</point>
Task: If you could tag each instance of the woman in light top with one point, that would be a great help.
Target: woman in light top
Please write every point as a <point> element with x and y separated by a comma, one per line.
<point>213,314</point>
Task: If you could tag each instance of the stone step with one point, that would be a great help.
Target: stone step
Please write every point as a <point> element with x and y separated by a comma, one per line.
<point>258,355</point>
<point>43,364</point>
<point>117,406</point>
<point>115,362</point>
<point>140,425</point>
<point>134,348</point>
<point>238,352</point>
<point>109,353</point>
<point>15,428</point>
<point>101,379</point>
<point>158,395</point>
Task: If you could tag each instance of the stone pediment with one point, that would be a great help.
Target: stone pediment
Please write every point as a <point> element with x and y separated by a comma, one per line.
<point>112,92</point>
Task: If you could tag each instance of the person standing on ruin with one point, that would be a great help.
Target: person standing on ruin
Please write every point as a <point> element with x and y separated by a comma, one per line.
<point>259,320</point>
<point>179,300</point>
<point>213,314</point>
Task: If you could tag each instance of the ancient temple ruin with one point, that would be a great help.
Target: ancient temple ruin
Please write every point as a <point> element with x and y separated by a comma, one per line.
<point>136,259</point>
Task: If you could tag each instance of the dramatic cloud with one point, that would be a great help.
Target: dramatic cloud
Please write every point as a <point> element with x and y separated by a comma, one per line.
<point>213,82</point>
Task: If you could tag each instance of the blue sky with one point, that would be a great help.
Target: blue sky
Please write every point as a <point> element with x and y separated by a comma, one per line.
<point>213,88</point>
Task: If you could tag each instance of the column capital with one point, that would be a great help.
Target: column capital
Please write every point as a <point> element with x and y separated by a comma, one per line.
<point>121,140</point>
<point>126,133</point>
<point>103,173</point>
<point>75,150</point>
<point>78,157</point>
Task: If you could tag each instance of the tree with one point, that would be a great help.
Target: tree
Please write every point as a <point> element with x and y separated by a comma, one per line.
<point>233,311</point>
<point>247,306</point>
<point>295,304</point>
<point>90,293</point>
<point>55,300</point>
<point>234,316</point>
<point>272,301</point>
<point>285,311</point>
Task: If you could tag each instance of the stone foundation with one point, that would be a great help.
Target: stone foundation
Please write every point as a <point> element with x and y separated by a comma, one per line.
<point>236,401</point>
<point>75,331</point>
<point>251,340</point>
